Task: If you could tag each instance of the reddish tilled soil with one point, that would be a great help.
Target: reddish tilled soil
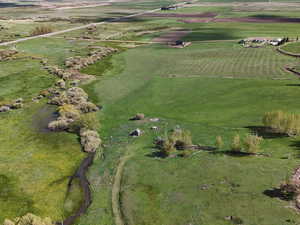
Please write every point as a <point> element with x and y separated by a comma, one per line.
<point>181,15</point>
<point>245,20</point>
<point>171,36</point>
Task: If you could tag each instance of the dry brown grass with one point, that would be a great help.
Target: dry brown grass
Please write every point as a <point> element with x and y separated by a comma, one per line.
<point>43,29</point>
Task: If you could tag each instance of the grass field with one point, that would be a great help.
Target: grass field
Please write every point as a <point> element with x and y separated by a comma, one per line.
<point>212,87</point>
<point>22,78</point>
<point>55,50</point>
<point>292,48</point>
<point>170,191</point>
<point>205,59</point>
<point>27,183</point>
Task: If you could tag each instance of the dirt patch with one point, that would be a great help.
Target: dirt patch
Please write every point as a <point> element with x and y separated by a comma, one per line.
<point>171,36</point>
<point>244,20</point>
<point>182,15</point>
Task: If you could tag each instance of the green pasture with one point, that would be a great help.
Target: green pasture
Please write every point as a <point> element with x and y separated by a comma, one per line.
<point>169,191</point>
<point>23,78</point>
<point>293,47</point>
<point>36,165</point>
<point>212,87</point>
<point>55,50</point>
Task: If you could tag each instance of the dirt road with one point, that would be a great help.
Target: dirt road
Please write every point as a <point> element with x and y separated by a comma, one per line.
<point>117,212</point>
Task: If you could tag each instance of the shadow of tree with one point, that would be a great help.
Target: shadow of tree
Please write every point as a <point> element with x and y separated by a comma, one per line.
<point>231,153</point>
<point>265,132</point>
<point>277,193</point>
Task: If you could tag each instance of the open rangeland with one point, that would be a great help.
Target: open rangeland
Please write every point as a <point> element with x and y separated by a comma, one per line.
<point>216,89</point>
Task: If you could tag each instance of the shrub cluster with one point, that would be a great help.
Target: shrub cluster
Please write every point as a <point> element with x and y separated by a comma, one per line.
<point>79,62</point>
<point>6,54</point>
<point>74,64</point>
<point>29,219</point>
<point>139,116</point>
<point>6,106</point>
<point>44,29</point>
<point>282,122</point>
<point>178,139</point>
<point>291,187</point>
<point>72,103</point>
<point>76,114</point>
<point>90,140</point>
<point>250,144</point>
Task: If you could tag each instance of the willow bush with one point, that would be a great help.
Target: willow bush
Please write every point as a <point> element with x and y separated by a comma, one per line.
<point>283,122</point>
<point>43,29</point>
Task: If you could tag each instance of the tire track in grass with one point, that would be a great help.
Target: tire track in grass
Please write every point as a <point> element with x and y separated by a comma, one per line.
<point>116,206</point>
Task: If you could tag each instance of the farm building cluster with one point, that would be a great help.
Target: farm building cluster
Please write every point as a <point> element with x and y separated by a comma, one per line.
<point>261,41</point>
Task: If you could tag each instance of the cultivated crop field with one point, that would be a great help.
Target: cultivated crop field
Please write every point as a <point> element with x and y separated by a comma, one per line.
<point>90,168</point>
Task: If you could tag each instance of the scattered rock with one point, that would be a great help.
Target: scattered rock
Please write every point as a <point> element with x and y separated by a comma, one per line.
<point>4,109</point>
<point>39,97</point>
<point>154,128</point>
<point>228,217</point>
<point>204,187</point>
<point>154,120</point>
<point>19,100</point>
<point>234,219</point>
<point>136,133</point>
<point>139,116</point>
